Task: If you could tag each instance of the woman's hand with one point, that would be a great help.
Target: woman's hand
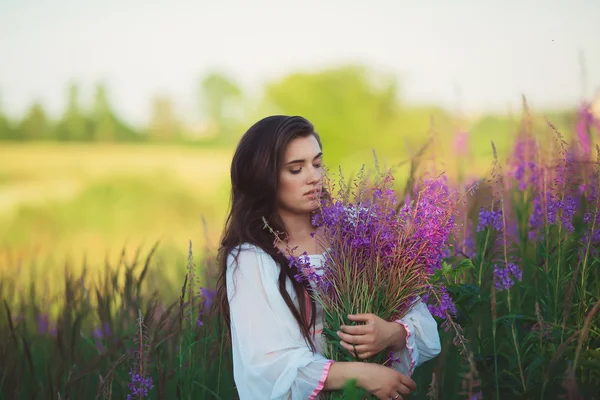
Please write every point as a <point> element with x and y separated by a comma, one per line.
<point>373,337</point>
<point>385,383</point>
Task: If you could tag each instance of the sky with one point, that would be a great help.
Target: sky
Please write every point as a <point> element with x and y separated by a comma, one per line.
<point>474,56</point>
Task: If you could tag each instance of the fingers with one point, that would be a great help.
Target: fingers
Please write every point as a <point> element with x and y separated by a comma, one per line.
<point>381,395</point>
<point>353,339</point>
<point>362,351</point>
<point>361,348</point>
<point>407,382</point>
<point>404,390</point>
<point>357,329</point>
<point>361,317</point>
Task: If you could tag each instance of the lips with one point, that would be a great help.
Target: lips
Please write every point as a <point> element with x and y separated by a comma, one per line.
<point>312,193</point>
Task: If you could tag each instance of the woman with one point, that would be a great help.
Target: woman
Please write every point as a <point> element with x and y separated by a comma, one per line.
<point>276,174</point>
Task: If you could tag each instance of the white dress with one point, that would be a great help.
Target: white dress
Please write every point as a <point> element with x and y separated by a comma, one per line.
<point>270,357</point>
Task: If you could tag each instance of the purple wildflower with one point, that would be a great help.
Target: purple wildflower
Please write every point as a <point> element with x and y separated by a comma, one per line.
<point>523,168</point>
<point>592,236</point>
<point>469,247</point>
<point>431,223</point>
<point>208,295</point>
<point>492,219</point>
<point>588,218</point>
<point>536,219</point>
<point>42,324</point>
<point>101,331</point>
<point>557,211</point>
<point>568,210</point>
<point>503,277</point>
<point>139,386</point>
<point>589,191</point>
<point>305,270</point>
<point>444,306</point>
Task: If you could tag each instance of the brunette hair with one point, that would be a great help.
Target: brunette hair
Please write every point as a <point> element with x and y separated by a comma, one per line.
<point>255,172</point>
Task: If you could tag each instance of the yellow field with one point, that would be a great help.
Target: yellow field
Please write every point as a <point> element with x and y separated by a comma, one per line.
<point>60,202</point>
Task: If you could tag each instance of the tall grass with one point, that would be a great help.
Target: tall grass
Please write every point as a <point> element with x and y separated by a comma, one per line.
<point>523,274</point>
<point>109,339</point>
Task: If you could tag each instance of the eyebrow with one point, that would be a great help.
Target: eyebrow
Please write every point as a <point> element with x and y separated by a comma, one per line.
<point>301,161</point>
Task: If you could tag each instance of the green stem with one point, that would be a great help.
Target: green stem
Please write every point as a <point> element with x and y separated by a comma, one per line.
<point>495,359</point>
<point>487,236</point>
<point>514,336</point>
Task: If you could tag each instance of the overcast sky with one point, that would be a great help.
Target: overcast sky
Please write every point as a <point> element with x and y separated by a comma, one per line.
<point>479,54</point>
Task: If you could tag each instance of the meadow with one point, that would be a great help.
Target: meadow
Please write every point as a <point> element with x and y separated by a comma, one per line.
<point>107,268</point>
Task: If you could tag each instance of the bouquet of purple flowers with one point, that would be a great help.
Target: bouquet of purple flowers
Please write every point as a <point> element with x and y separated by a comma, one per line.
<point>381,256</point>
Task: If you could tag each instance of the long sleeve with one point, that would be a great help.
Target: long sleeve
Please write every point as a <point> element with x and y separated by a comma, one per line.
<point>271,360</point>
<point>422,339</point>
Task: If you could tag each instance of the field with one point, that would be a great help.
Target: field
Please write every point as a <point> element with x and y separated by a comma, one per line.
<point>66,202</point>
<point>91,309</point>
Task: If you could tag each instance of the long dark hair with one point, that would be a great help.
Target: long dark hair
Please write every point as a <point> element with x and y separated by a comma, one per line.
<point>254,182</point>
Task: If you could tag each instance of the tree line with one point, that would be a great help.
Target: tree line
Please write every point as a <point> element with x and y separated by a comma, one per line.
<point>352,106</point>
<point>101,122</point>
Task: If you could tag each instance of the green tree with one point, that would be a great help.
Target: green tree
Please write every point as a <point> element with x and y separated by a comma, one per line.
<point>164,123</point>
<point>104,127</point>
<point>356,110</point>
<point>105,124</point>
<point>6,129</point>
<point>221,99</point>
<point>35,125</point>
<point>351,107</point>
<point>73,125</point>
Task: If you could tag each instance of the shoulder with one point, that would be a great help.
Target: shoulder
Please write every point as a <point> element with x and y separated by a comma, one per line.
<point>245,249</point>
<point>247,253</point>
<point>248,264</point>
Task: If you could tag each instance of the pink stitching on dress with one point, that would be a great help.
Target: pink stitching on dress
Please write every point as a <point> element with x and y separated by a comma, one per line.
<point>410,348</point>
<point>321,384</point>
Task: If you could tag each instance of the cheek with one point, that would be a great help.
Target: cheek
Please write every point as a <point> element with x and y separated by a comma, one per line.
<point>288,187</point>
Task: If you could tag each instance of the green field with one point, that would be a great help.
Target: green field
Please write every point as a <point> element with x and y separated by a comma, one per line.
<point>64,202</point>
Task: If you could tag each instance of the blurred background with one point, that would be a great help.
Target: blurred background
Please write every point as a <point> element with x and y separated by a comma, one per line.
<point>118,119</point>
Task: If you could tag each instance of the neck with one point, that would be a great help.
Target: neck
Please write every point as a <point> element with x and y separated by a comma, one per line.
<point>297,226</point>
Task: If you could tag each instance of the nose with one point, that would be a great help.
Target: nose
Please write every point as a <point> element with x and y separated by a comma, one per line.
<point>314,176</point>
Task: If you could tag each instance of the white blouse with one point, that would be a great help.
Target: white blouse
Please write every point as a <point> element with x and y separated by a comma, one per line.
<point>271,360</point>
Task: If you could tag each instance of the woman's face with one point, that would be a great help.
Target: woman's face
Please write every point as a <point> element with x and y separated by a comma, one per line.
<point>300,176</point>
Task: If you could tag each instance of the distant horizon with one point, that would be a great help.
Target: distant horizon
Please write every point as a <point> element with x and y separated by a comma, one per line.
<point>475,57</point>
<point>87,92</point>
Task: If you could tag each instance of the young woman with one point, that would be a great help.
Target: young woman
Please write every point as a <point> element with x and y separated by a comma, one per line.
<point>274,324</point>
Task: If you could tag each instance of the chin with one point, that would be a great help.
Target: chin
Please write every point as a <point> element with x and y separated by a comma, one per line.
<point>307,209</point>
<point>314,205</point>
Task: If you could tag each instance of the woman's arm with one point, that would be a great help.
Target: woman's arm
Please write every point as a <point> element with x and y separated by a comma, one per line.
<point>413,339</point>
<point>383,382</point>
<point>271,358</point>
<point>421,342</point>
